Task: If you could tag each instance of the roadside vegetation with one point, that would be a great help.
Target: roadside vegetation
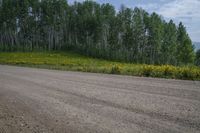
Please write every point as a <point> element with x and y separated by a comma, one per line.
<point>93,29</point>
<point>75,62</point>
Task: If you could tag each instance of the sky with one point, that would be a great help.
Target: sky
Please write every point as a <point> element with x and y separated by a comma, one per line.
<point>186,11</point>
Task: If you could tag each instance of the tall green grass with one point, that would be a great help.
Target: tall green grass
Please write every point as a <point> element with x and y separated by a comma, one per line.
<point>75,62</point>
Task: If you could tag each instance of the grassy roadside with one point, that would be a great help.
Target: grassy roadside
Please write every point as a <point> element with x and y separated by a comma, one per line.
<point>75,62</point>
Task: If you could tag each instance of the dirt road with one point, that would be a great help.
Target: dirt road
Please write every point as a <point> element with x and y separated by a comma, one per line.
<point>48,101</point>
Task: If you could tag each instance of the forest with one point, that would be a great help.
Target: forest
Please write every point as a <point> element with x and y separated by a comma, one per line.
<point>95,30</point>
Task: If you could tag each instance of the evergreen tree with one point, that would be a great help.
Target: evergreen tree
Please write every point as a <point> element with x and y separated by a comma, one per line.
<point>185,50</point>
<point>197,59</point>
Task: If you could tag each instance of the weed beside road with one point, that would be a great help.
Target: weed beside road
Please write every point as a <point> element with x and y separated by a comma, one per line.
<point>75,62</point>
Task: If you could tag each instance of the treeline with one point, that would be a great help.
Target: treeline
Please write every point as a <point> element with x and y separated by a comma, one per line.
<point>93,29</point>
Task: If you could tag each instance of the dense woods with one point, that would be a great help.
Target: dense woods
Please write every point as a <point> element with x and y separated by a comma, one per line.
<point>98,30</point>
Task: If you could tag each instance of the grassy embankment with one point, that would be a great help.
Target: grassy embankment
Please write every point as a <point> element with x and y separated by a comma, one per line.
<point>75,62</point>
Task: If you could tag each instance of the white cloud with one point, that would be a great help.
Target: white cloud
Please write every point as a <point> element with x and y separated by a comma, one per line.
<point>187,11</point>
<point>149,7</point>
<point>181,8</point>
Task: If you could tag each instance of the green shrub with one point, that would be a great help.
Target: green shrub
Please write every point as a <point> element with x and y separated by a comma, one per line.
<point>147,70</point>
<point>157,72</point>
<point>115,69</point>
<point>168,70</point>
<point>187,73</point>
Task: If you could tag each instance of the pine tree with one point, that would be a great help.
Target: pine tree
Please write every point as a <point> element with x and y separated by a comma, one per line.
<point>185,50</point>
<point>197,59</point>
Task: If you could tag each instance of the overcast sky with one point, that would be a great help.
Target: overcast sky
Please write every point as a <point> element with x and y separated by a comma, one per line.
<point>187,11</point>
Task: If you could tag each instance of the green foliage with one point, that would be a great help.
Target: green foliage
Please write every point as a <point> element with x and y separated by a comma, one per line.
<point>185,52</point>
<point>169,45</point>
<point>197,59</point>
<point>116,69</point>
<point>147,70</point>
<point>76,62</point>
<point>97,30</point>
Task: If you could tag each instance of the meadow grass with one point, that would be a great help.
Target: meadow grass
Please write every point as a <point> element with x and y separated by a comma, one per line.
<point>75,62</point>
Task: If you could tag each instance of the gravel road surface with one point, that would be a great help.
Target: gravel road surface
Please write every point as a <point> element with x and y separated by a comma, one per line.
<point>50,101</point>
